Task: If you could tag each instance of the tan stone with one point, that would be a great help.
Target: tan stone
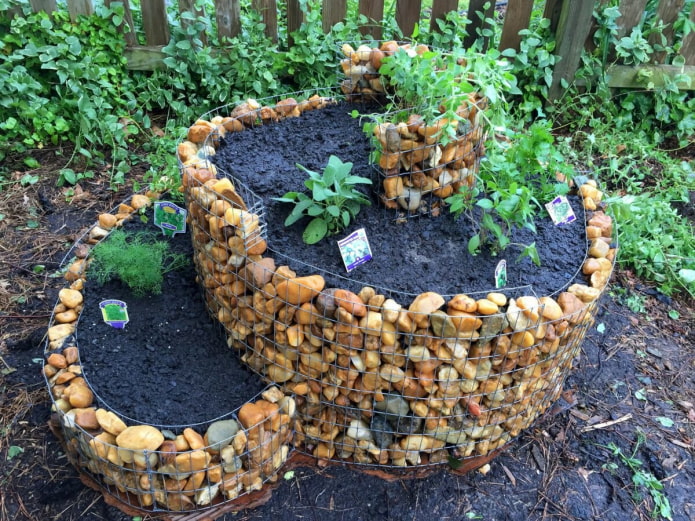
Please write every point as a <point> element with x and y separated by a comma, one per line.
<point>391,309</point>
<point>110,422</point>
<point>87,419</point>
<point>487,307</point>
<point>70,297</point>
<point>464,322</point>
<point>498,298</point>
<point>423,305</point>
<point>299,290</point>
<point>66,317</point>
<point>529,305</point>
<point>138,438</point>
<point>550,309</point>
<point>307,314</point>
<point>372,323</point>
<point>57,361</point>
<point>585,293</point>
<point>107,220</point>
<point>140,201</point>
<point>258,274</point>
<point>194,439</point>
<point>350,302</point>
<point>60,331</point>
<point>598,248</point>
<point>81,396</point>
<point>569,303</point>
<point>391,373</point>
<point>76,270</point>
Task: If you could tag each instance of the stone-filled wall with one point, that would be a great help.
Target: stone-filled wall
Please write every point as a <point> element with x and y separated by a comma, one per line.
<point>358,378</point>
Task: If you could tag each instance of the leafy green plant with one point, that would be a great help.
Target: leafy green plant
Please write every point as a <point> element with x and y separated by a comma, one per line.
<point>135,259</point>
<point>333,200</point>
<point>641,479</point>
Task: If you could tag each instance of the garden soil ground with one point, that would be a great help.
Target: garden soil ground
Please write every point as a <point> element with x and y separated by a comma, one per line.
<point>634,376</point>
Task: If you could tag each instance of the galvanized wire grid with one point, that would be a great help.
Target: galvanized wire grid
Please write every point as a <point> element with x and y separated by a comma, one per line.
<point>358,378</point>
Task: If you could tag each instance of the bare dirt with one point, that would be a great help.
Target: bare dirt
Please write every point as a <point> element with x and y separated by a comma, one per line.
<point>633,386</point>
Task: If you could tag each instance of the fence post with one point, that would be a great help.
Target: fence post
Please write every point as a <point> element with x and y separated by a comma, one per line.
<point>79,7</point>
<point>269,15</point>
<point>688,48</point>
<point>572,30</point>
<point>440,8</point>
<point>295,17</point>
<point>516,18</point>
<point>155,22</point>
<point>475,7</point>
<point>333,11</point>
<point>667,13</point>
<point>372,10</point>
<point>43,5</point>
<point>127,27</point>
<point>407,15</point>
<point>228,16</point>
<point>188,6</point>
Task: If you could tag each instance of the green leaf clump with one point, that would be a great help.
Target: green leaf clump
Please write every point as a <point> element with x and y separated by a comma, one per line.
<point>333,200</point>
<point>136,260</point>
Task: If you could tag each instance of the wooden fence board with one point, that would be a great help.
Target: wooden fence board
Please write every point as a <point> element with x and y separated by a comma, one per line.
<point>43,5</point>
<point>629,77</point>
<point>516,18</point>
<point>269,15</point>
<point>688,48</point>
<point>631,12</point>
<point>79,8</point>
<point>228,16</point>
<point>552,11</point>
<point>155,22</point>
<point>667,13</point>
<point>572,30</point>
<point>141,58</point>
<point>295,17</point>
<point>476,9</point>
<point>373,10</point>
<point>189,6</point>
<point>126,27</point>
<point>334,11</point>
<point>440,8</point>
<point>407,15</point>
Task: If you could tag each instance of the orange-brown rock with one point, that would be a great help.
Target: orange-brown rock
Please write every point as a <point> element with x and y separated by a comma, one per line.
<point>299,290</point>
<point>350,302</point>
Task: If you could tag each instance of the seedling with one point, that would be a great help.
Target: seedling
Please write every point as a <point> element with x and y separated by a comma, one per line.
<point>333,200</point>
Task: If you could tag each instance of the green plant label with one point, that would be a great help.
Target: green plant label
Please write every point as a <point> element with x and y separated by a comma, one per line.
<point>501,274</point>
<point>355,249</point>
<point>560,210</point>
<point>114,312</point>
<point>170,218</point>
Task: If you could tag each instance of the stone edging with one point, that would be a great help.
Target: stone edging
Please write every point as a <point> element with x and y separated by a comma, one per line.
<point>354,377</point>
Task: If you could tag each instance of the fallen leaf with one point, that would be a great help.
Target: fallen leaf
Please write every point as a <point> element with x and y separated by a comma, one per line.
<point>585,473</point>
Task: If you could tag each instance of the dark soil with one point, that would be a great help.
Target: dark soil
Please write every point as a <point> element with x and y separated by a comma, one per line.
<point>170,365</point>
<point>422,254</point>
<point>634,374</point>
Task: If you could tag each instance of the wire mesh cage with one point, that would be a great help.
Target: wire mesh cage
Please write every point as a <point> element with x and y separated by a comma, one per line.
<point>373,377</point>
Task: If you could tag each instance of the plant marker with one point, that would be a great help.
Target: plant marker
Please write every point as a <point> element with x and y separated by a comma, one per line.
<point>114,312</point>
<point>355,249</point>
<point>170,218</point>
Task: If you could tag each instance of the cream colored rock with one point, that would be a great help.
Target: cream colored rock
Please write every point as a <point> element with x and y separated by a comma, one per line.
<point>107,221</point>
<point>299,290</point>
<point>599,248</point>
<point>60,331</point>
<point>140,201</point>
<point>372,323</point>
<point>529,305</point>
<point>110,422</point>
<point>463,303</point>
<point>423,305</point>
<point>70,297</point>
<point>137,438</point>
<point>487,307</point>
<point>585,293</point>
<point>391,309</point>
<point>550,309</point>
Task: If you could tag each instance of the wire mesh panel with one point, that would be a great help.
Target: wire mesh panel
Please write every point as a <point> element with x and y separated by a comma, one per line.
<point>374,378</point>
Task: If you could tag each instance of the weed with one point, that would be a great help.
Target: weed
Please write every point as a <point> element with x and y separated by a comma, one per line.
<point>641,478</point>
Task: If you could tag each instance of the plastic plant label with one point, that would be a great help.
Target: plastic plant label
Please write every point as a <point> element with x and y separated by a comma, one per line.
<point>501,274</point>
<point>560,210</point>
<point>114,313</point>
<point>170,218</point>
<point>355,249</point>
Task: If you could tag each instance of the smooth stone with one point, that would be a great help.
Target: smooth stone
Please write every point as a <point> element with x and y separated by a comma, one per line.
<point>60,331</point>
<point>299,290</point>
<point>405,424</point>
<point>70,297</point>
<point>110,422</point>
<point>221,433</point>
<point>140,201</point>
<point>492,325</point>
<point>393,404</point>
<point>381,429</point>
<point>325,302</point>
<point>443,325</point>
<point>423,305</point>
<point>358,430</point>
<point>350,302</point>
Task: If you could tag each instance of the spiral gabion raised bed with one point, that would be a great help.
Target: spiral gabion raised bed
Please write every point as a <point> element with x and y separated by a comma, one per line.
<point>359,378</point>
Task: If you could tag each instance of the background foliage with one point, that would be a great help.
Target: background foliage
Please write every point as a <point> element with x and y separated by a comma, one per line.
<point>65,87</point>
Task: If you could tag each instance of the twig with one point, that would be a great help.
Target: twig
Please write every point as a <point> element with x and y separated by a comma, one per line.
<point>603,425</point>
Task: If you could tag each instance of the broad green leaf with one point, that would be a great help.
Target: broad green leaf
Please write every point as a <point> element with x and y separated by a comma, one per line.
<point>474,244</point>
<point>333,210</point>
<point>485,204</point>
<point>686,275</point>
<point>315,231</point>
<point>663,420</point>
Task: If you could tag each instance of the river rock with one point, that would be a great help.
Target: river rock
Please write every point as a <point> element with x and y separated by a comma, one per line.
<point>358,430</point>
<point>70,297</point>
<point>423,305</point>
<point>220,434</point>
<point>394,405</point>
<point>110,422</point>
<point>138,438</point>
<point>299,290</point>
<point>381,430</point>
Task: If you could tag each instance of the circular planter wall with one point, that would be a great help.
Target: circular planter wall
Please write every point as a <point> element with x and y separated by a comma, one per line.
<point>355,377</point>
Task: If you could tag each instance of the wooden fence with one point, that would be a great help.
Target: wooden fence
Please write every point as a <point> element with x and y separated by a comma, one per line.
<point>572,25</point>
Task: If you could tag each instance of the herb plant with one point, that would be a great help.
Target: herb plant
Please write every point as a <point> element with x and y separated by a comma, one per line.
<point>333,200</point>
<point>136,260</point>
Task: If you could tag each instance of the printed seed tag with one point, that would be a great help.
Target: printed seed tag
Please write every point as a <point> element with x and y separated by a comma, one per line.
<point>501,274</point>
<point>114,313</point>
<point>170,218</point>
<point>560,210</point>
<point>355,249</point>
